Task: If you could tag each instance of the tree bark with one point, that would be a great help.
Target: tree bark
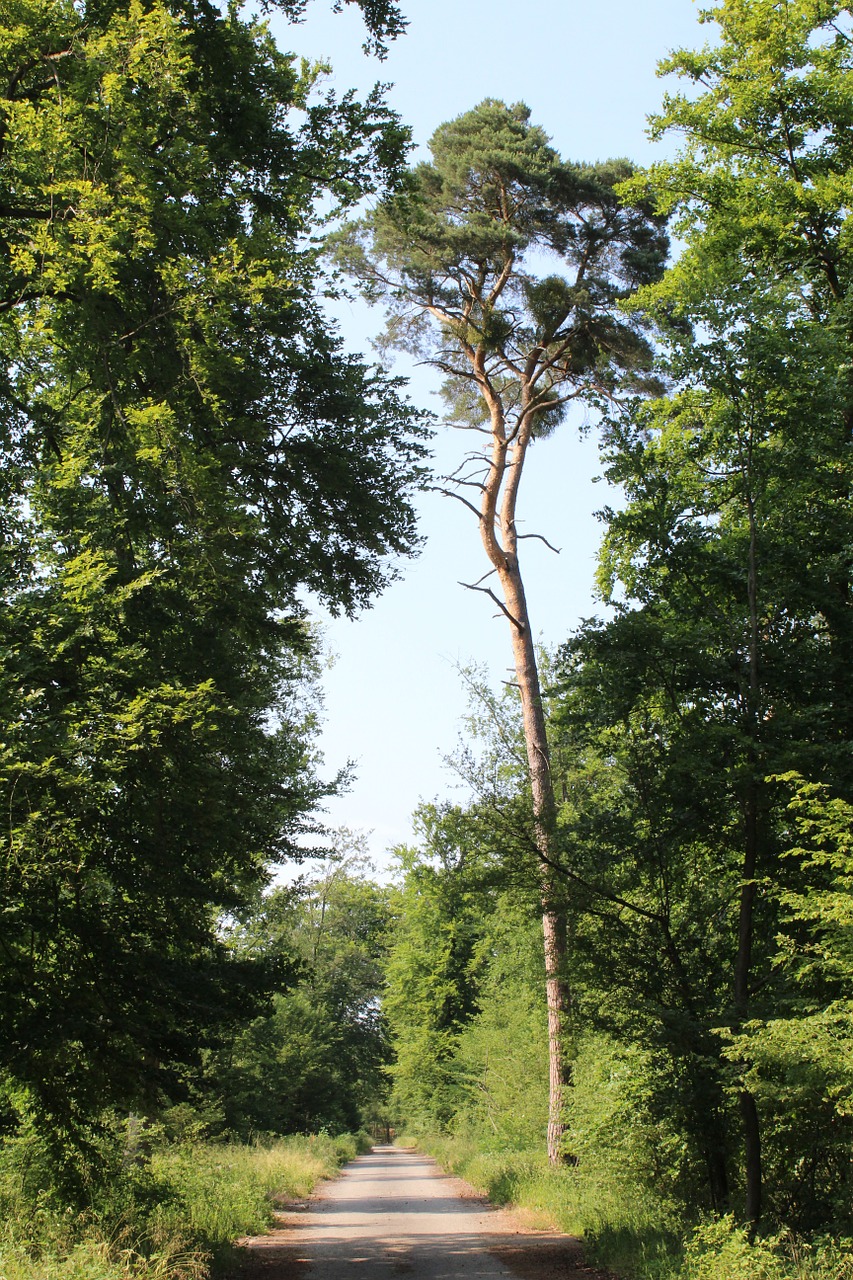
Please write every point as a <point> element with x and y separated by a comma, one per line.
<point>556,989</point>
<point>499,535</point>
<point>544,824</point>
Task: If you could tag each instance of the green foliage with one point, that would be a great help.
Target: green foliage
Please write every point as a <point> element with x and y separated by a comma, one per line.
<point>500,1065</point>
<point>628,1156</point>
<point>186,451</point>
<point>765,164</point>
<point>723,1251</point>
<point>798,1061</point>
<point>167,1216</point>
<point>221,1192</point>
<point>464,1000</point>
<point>455,248</point>
<point>431,968</point>
<point>319,1059</point>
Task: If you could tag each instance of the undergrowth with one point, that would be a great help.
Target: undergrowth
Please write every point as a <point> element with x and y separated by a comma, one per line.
<point>634,1234</point>
<point>169,1214</point>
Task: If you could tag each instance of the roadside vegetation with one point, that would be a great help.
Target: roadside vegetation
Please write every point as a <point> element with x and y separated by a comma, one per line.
<point>258,1120</point>
<point>170,1211</point>
<point>470,1074</point>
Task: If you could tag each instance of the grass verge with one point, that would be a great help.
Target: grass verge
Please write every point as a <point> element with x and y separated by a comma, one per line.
<point>625,1229</point>
<point>174,1218</point>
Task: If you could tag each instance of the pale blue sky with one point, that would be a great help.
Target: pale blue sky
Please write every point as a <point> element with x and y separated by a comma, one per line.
<point>393,698</point>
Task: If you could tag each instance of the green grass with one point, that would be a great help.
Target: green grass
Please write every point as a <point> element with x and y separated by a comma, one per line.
<point>173,1218</point>
<point>626,1229</point>
<point>222,1192</point>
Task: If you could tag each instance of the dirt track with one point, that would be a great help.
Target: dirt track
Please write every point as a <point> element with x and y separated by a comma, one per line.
<point>392,1214</point>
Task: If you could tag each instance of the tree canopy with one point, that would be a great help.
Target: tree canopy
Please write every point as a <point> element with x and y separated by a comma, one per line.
<point>188,455</point>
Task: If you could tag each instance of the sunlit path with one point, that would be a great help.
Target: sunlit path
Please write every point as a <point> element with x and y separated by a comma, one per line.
<point>392,1213</point>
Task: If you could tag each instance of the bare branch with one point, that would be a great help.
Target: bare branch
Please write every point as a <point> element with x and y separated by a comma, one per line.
<point>539,536</point>
<point>466,482</point>
<point>453,477</point>
<point>487,591</point>
<point>448,493</point>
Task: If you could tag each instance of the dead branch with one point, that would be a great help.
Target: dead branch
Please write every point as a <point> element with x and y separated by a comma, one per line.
<point>540,538</point>
<point>448,493</point>
<point>487,591</point>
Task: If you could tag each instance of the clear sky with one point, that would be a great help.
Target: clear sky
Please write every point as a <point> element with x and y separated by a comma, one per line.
<point>394,699</point>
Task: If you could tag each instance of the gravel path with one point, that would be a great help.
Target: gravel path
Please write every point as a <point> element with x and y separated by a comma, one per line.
<point>393,1214</point>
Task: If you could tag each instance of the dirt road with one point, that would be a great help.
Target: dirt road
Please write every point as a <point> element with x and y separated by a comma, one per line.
<point>393,1214</point>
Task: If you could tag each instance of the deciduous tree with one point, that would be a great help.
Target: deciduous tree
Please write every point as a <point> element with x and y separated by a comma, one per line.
<point>187,454</point>
<point>760,196</point>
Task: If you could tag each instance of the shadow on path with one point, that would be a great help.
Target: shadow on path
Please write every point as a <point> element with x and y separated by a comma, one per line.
<point>392,1213</point>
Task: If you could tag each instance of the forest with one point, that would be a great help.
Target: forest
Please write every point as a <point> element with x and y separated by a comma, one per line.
<point>613,982</point>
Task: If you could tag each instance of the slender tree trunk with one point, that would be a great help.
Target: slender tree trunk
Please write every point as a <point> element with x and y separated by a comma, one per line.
<point>556,990</point>
<point>544,820</point>
<point>497,512</point>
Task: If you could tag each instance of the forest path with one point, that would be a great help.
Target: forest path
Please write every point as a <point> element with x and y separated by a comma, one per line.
<point>392,1214</point>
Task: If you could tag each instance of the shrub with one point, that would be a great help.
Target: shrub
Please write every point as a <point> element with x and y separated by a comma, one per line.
<point>169,1215</point>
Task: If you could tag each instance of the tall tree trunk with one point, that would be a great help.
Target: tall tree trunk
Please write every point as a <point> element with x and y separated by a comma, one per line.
<point>544,822</point>
<point>556,990</point>
<point>500,540</point>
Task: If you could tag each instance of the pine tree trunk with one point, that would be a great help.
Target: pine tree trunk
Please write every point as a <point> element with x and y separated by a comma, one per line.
<point>544,822</point>
<point>556,989</point>
<point>497,512</point>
